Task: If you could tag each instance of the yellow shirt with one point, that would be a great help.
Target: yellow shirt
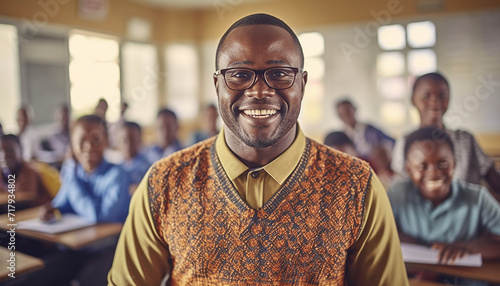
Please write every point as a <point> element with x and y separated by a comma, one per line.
<point>257,186</point>
<point>142,257</point>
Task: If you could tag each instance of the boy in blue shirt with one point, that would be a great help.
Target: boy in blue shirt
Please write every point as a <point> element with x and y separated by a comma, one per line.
<point>432,208</point>
<point>91,187</point>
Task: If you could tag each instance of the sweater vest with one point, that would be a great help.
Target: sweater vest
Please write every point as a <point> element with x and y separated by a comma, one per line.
<point>301,236</point>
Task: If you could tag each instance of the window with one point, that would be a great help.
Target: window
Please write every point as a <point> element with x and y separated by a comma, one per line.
<point>406,52</point>
<point>9,77</point>
<point>312,114</point>
<point>94,73</point>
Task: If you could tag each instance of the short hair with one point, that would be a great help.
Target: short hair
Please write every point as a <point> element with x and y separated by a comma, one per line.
<point>132,125</point>
<point>337,138</point>
<point>13,138</point>
<point>344,101</point>
<point>93,119</point>
<point>432,76</point>
<point>428,133</point>
<point>260,19</point>
<point>167,111</point>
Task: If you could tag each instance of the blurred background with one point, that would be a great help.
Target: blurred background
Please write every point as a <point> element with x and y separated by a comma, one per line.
<point>160,53</point>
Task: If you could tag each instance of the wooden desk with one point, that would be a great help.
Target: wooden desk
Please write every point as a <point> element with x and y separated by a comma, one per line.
<point>74,239</point>
<point>414,282</point>
<point>24,264</point>
<point>489,271</point>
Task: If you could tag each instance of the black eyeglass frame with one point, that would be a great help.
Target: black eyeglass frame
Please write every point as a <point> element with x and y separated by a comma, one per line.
<point>257,73</point>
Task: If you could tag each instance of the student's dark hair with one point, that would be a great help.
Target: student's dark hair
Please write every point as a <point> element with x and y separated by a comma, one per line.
<point>132,125</point>
<point>429,133</point>
<point>337,138</point>
<point>92,119</point>
<point>435,76</point>
<point>167,111</point>
<point>344,101</point>
<point>260,19</point>
<point>11,137</point>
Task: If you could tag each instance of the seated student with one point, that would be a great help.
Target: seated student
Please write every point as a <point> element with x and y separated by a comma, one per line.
<point>208,124</point>
<point>135,164</point>
<point>91,187</point>
<point>379,161</point>
<point>29,188</point>
<point>166,136</point>
<point>433,208</point>
<point>431,95</point>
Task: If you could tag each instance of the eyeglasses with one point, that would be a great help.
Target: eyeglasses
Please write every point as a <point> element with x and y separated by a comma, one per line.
<point>244,78</point>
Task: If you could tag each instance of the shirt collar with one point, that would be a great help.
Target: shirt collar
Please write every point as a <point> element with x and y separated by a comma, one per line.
<point>279,169</point>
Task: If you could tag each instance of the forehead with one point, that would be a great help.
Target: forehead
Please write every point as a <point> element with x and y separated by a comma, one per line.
<point>259,44</point>
<point>433,83</point>
<point>84,127</point>
<point>429,149</point>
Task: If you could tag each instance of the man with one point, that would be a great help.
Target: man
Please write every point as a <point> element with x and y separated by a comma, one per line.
<point>30,141</point>
<point>261,203</point>
<point>166,136</point>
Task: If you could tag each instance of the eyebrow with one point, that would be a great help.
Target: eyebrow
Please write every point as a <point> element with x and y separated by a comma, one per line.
<point>270,62</point>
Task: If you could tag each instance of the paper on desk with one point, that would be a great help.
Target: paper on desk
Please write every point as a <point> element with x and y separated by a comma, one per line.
<point>423,254</point>
<point>68,222</point>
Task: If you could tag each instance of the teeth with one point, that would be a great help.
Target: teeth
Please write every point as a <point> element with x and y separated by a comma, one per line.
<point>434,184</point>
<point>260,113</point>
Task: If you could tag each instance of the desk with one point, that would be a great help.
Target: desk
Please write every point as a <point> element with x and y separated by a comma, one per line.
<point>489,271</point>
<point>414,282</point>
<point>24,263</point>
<point>74,239</point>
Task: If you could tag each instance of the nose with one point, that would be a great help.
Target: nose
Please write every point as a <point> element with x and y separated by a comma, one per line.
<point>259,89</point>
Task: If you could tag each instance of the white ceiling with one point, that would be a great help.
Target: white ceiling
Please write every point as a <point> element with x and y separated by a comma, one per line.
<point>195,4</point>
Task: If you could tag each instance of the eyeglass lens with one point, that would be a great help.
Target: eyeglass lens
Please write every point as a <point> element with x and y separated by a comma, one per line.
<point>277,78</point>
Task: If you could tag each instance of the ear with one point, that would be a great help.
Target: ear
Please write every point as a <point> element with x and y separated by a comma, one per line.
<point>216,83</point>
<point>304,82</point>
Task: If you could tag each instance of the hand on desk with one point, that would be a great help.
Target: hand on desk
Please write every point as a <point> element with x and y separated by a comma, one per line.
<point>49,214</point>
<point>448,253</point>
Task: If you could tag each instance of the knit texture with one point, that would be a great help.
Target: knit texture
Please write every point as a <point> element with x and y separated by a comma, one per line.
<point>301,236</point>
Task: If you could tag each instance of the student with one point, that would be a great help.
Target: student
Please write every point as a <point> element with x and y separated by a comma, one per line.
<point>30,140</point>
<point>29,186</point>
<point>166,136</point>
<point>431,95</point>
<point>366,137</point>
<point>208,124</point>
<point>135,163</point>
<point>91,187</point>
<point>433,208</point>
<point>339,140</point>
<point>260,204</point>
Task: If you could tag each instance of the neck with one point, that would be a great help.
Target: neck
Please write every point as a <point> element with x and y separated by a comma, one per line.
<point>258,157</point>
<point>438,123</point>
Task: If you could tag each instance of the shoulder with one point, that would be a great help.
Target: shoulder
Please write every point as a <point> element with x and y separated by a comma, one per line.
<point>468,192</point>
<point>181,160</point>
<point>460,136</point>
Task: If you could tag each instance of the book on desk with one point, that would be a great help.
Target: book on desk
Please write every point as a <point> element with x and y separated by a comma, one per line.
<point>423,254</point>
<point>66,223</point>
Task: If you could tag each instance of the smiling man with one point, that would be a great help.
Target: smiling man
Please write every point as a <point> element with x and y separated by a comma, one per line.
<point>261,203</point>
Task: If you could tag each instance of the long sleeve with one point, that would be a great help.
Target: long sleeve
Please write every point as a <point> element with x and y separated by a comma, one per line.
<point>141,256</point>
<point>376,258</point>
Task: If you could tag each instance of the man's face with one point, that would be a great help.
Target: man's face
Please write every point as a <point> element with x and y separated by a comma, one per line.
<point>431,99</point>
<point>88,141</point>
<point>167,129</point>
<point>346,113</point>
<point>260,47</point>
<point>10,154</point>
<point>130,142</point>
<point>430,165</point>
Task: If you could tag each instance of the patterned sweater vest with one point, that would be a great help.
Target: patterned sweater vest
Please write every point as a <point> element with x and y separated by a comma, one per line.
<point>301,236</point>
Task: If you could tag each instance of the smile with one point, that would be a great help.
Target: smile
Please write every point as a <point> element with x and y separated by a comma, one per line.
<point>434,184</point>
<point>260,113</point>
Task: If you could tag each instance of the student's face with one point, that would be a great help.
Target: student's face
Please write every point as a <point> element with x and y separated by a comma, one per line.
<point>130,142</point>
<point>431,99</point>
<point>346,113</point>
<point>430,165</point>
<point>22,119</point>
<point>167,129</point>
<point>10,154</point>
<point>88,141</point>
<point>259,47</point>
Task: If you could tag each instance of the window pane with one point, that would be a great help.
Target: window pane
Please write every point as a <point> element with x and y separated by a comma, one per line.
<point>391,37</point>
<point>94,73</point>
<point>390,64</point>
<point>315,68</point>
<point>393,113</point>
<point>140,81</point>
<point>9,78</point>
<point>313,44</point>
<point>421,34</point>
<point>182,80</point>
<point>421,61</point>
<point>393,88</point>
